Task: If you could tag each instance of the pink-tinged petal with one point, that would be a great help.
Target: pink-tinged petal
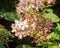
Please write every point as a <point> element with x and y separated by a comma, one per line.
<point>17,34</point>
<point>51,1</point>
<point>20,36</point>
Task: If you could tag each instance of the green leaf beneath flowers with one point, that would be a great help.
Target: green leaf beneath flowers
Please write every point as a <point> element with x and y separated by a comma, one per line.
<point>49,10</point>
<point>56,34</point>
<point>46,43</point>
<point>53,36</point>
<point>53,46</point>
<point>57,29</point>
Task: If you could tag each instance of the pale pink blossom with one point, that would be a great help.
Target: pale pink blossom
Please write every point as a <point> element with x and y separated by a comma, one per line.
<point>20,36</point>
<point>51,1</point>
<point>17,34</point>
<point>25,5</point>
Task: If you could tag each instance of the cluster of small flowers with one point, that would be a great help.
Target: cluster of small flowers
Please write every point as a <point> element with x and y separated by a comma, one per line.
<point>25,5</point>
<point>23,27</point>
<point>31,26</point>
<point>19,28</point>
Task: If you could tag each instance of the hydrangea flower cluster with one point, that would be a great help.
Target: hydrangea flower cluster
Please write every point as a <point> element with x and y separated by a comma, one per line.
<point>32,26</point>
<point>31,23</point>
<point>25,5</point>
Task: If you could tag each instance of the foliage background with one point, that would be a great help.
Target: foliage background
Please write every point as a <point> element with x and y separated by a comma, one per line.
<point>8,15</point>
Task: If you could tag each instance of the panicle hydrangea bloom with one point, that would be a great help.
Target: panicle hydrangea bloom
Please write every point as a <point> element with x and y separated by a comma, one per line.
<point>25,5</point>
<point>32,26</point>
<point>19,26</point>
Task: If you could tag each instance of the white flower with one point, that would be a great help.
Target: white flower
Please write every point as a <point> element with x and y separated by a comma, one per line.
<point>16,23</point>
<point>59,44</point>
<point>21,24</point>
<point>24,24</point>
<point>13,30</point>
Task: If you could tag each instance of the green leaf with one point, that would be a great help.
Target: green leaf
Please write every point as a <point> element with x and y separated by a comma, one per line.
<point>51,16</point>
<point>58,26</point>
<point>53,46</point>
<point>11,16</point>
<point>46,43</point>
<point>57,29</point>
<point>53,36</point>
<point>49,10</point>
<point>2,46</point>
